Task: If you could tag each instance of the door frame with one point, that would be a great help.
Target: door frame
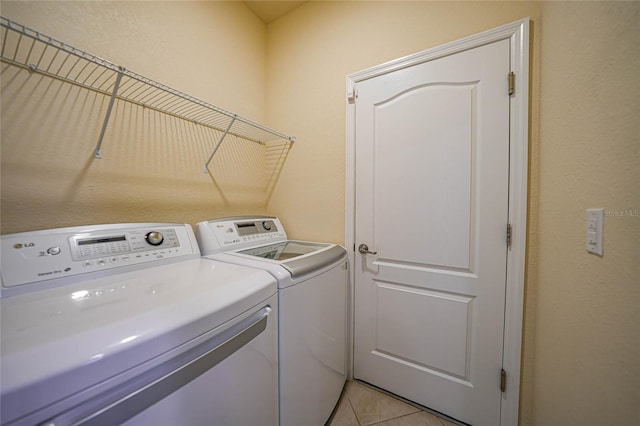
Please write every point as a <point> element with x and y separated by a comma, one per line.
<point>518,34</point>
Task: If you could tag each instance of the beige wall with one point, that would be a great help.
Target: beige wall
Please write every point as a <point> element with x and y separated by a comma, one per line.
<point>151,168</point>
<point>581,333</point>
<point>587,329</point>
<point>580,361</point>
<point>310,53</point>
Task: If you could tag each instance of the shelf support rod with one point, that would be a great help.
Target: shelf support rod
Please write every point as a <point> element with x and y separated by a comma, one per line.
<point>224,135</point>
<point>98,151</point>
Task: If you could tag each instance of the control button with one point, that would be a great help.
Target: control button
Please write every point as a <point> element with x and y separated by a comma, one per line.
<point>101,262</point>
<point>53,250</point>
<point>113,259</point>
<point>125,258</point>
<point>87,263</point>
<point>154,238</point>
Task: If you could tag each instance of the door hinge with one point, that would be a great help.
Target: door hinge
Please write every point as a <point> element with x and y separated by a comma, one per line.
<point>503,380</point>
<point>512,83</point>
<point>509,232</point>
<point>352,95</point>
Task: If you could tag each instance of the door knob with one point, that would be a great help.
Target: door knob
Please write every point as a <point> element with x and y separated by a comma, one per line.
<point>364,249</point>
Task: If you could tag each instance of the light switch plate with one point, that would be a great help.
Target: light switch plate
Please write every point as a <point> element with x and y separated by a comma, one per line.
<point>595,228</point>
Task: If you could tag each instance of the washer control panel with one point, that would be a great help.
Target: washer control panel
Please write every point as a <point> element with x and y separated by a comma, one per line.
<point>232,233</point>
<point>32,257</point>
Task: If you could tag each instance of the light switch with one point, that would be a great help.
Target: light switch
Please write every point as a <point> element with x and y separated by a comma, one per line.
<point>595,227</point>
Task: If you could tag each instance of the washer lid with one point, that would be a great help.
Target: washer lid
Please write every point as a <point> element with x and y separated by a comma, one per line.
<point>298,257</point>
<point>60,341</point>
<point>284,250</point>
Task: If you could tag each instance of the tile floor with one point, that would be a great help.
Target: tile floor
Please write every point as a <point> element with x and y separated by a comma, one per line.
<point>361,405</point>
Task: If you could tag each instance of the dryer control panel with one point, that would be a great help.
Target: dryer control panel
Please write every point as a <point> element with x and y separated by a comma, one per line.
<point>38,256</point>
<point>234,233</point>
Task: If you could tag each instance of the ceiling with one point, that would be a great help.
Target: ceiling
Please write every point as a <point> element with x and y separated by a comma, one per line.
<point>269,11</point>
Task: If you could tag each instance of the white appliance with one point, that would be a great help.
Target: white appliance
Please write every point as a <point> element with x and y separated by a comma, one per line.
<point>127,324</point>
<point>312,294</point>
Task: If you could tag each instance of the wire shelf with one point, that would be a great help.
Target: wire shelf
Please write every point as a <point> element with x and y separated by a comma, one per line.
<point>29,49</point>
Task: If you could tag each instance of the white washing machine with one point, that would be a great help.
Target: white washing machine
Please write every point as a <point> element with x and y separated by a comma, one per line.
<point>127,324</point>
<point>312,294</point>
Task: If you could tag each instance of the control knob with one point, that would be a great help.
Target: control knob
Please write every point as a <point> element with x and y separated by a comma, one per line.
<point>266,225</point>
<point>154,238</point>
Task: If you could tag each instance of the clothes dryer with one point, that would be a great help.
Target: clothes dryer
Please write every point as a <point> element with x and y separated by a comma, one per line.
<point>127,324</point>
<point>312,294</point>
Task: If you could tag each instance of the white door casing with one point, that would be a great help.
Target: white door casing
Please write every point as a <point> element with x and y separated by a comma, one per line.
<point>439,281</point>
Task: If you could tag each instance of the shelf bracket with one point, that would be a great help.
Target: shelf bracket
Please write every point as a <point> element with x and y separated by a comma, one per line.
<point>224,135</point>
<point>116,86</point>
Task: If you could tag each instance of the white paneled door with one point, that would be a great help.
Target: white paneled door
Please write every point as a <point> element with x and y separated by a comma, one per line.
<point>431,197</point>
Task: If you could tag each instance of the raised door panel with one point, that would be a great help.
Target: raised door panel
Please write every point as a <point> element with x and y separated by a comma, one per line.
<point>424,182</point>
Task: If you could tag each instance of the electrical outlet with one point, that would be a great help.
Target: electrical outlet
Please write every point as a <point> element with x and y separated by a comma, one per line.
<point>595,228</point>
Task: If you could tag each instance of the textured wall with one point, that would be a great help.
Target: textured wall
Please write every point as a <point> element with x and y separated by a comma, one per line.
<point>151,168</point>
<point>587,333</point>
<point>580,360</point>
<point>581,329</point>
<point>310,53</point>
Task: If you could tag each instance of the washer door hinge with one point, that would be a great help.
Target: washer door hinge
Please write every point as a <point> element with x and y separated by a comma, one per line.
<point>509,232</point>
<point>512,83</point>
<point>503,380</point>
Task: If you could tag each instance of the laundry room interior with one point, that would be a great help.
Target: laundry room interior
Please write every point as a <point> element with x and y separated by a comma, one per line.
<point>285,65</point>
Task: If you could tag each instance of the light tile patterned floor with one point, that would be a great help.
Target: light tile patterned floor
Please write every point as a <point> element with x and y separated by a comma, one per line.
<point>361,405</point>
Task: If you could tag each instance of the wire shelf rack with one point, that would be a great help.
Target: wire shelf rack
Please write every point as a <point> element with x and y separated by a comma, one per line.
<point>27,48</point>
